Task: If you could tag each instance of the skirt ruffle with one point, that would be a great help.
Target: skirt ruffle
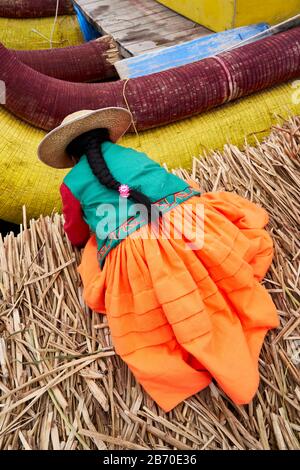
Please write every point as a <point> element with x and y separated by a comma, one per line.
<point>180,316</point>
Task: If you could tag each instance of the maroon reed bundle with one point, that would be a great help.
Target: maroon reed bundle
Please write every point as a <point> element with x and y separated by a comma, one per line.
<point>159,98</point>
<point>87,62</point>
<point>34,8</point>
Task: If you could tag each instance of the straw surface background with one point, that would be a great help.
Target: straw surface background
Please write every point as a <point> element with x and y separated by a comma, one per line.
<point>87,62</point>
<point>34,8</point>
<point>61,384</point>
<point>35,185</point>
<point>159,98</point>
<point>34,33</point>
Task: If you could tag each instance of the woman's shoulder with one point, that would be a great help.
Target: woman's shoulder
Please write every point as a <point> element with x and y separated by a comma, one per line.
<point>111,150</point>
<point>81,168</point>
<point>112,147</point>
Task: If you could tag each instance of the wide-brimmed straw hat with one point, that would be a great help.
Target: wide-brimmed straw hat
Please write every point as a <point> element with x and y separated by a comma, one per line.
<point>52,149</point>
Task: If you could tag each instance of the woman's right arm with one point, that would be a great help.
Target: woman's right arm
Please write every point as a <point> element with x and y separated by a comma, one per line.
<point>75,226</point>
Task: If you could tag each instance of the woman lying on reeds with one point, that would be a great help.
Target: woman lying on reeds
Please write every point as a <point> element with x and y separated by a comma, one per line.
<point>176,272</point>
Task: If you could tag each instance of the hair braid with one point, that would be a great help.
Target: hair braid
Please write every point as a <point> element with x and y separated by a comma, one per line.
<point>89,144</point>
<point>96,160</point>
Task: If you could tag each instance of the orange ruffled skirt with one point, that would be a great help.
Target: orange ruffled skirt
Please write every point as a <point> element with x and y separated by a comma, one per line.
<point>180,317</point>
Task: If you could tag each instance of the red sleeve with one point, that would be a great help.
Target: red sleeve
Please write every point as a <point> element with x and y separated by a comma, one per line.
<point>75,227</point>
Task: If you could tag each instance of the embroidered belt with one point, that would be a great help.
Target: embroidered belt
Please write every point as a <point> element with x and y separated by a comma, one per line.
<point>164,205</point>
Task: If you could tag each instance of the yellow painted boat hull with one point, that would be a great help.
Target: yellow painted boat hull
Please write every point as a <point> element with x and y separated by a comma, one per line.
<point>24,180</point>
<point>219,15</point>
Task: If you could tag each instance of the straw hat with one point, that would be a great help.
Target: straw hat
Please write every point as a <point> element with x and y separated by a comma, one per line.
<point>52,149</point>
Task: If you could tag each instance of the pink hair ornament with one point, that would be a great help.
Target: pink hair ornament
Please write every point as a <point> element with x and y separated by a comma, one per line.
<point>124,190</point>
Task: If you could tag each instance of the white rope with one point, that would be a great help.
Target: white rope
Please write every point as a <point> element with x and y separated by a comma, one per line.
<point>231,84</point>
<point>54,24</point>
<point>50,40</point>
<point>128,107</point>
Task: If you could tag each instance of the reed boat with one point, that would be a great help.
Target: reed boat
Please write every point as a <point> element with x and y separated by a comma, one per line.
<point>174,145</point>
<point>192,119</point>
<point>159,98</point>
<point>40,33</point>
<point>56,356</point>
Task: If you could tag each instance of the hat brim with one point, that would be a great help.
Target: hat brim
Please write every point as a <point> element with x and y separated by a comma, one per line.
<point>52,149</point>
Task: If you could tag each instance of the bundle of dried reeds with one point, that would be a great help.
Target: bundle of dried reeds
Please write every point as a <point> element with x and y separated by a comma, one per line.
<point>34,8</point>
<point>87,62</point>
<point>63,387</point>
<point>159,98</point>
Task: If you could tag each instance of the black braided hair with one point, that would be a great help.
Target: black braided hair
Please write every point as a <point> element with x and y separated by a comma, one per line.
<point>89,144</point>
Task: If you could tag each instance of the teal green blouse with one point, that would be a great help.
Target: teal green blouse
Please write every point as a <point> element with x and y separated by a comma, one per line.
<point>111,217</point>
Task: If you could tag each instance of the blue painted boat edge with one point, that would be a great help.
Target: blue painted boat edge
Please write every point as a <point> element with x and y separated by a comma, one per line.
<point>88,31</point>
<point>185,53</point>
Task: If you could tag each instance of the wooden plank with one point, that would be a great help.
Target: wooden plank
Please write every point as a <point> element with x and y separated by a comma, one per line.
<point>139,25</point>
<point>185,53</point>
<point>118,24</point>
<point>151,32</point>
<point>144,30</point>
<point>127,9</point>
<point>137,47</point>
